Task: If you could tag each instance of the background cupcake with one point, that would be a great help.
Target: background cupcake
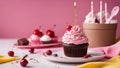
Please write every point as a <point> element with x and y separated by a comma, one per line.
<point>23,41</point>
<point>75,43</point>
<point>46,39</point>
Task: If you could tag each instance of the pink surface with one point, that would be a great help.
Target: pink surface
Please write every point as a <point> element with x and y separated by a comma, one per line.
<point>19,17</point>
<point>110,51</point>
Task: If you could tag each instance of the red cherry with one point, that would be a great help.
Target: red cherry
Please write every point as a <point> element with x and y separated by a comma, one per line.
<point>38,33</point>
<point>48,52</point>
<point>106,57</point>
<point>50,33</point>
<point>11,53</point>
<point>55,55</point>
<point>31,50</point>
<point>87,56</point>
<point>69,27</point>
<point>23,61</point>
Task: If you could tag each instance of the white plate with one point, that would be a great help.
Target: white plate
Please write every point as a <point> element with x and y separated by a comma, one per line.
<point>64,59</point>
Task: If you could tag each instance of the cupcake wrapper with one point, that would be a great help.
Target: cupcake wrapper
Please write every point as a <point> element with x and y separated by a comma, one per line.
<point>46,42</point>
<point>72,50</point>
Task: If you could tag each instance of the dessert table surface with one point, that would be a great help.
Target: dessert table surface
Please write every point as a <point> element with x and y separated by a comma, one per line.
<point>36,61</point>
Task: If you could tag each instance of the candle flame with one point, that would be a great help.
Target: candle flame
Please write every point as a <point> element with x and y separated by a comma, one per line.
<point>74,3</point>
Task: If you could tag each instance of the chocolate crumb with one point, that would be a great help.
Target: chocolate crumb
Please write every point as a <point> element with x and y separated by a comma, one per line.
<point>17,61</point>
<point>31,59</point>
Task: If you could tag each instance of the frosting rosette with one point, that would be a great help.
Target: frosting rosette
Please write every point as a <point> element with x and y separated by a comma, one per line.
<point>75,36</point>
<point>34,37</point>
<point>45,38</point>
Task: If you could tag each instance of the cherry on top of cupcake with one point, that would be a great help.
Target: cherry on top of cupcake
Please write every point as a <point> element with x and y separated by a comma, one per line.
<point>68,27</point>
<point>38,32</point>
<point>74,36</point>
<point>50,32</point>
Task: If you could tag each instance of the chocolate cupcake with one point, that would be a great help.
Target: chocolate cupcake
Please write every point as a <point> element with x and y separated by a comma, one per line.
<point>73,50</point>
<point>46,39</point>
<point>75,43</point>
<point>23,41</point>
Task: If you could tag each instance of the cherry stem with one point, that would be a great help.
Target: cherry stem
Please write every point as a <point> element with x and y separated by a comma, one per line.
<point>67,23</point>
<point>54,26</point>
<point>24,56</point>
<point>39,27</point>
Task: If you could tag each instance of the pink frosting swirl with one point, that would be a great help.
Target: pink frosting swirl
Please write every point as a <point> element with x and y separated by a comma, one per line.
<point>34,39</point>
<point>74,36</point>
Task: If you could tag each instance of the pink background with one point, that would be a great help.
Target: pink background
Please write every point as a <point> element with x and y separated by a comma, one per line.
<point>18,18</point>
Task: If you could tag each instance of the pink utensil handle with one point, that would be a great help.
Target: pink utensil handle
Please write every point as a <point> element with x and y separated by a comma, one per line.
<point>114,12</point>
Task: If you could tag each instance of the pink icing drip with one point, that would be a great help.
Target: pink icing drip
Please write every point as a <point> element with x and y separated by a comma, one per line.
<point>75,36</point>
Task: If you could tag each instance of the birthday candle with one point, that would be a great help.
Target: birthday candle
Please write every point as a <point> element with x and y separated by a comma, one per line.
<point>100,11</point>
<point>75,13</point>
<point>74,4</point>
<point>105,11</point>
<point>92,8</point>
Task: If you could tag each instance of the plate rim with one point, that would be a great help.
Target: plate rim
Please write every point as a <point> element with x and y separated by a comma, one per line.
<point>37,45</point>
<point>57,59</point>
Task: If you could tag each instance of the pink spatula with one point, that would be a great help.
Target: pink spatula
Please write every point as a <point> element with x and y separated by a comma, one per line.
<point>114,12</point>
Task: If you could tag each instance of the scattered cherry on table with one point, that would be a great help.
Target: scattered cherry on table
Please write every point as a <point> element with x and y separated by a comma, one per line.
<point>48,52</point>
<point>55,55</point>
<point>31,50</point>
<point>23,61</point>
<point>87,56</point>
<point>11,53</point>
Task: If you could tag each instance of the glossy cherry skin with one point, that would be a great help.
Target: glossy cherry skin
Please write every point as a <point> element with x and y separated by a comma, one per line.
<point>50,33</point>
<point>38,33</point>
<point>11,53</point>
<point>31,50</point>
<point>87,56</point>
<point>55,55</point>
<point>49,52</point>
<point>69,27</point>
<point>23,62</point>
